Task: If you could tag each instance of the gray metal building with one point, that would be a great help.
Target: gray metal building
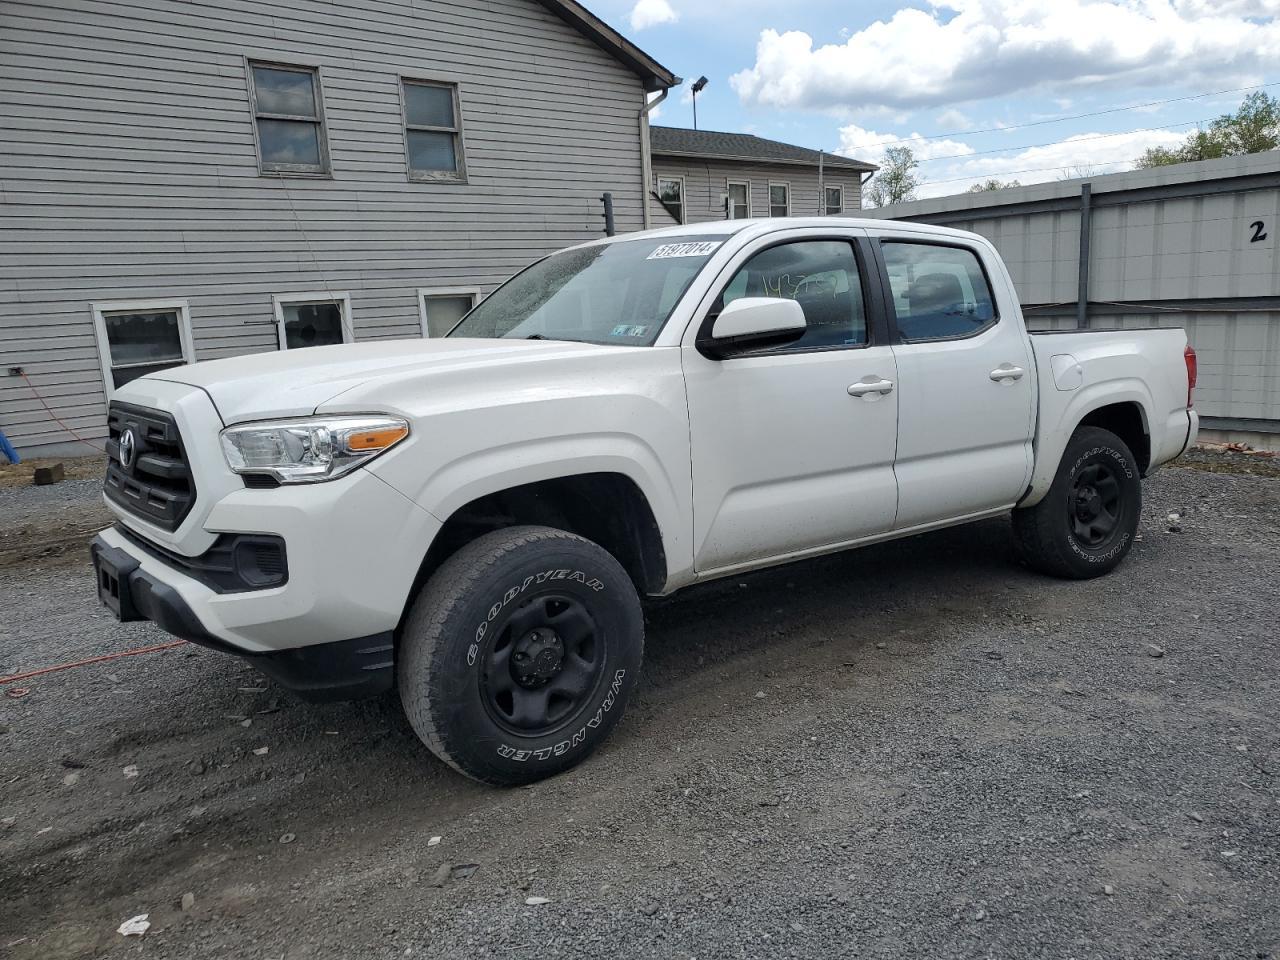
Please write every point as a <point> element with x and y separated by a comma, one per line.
<point>1192,245</point>
<point>702,175</point>
<point>182,180</point>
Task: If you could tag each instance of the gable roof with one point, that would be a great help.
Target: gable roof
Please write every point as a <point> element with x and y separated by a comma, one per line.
<point>678,142</point>
<point>654,74</point>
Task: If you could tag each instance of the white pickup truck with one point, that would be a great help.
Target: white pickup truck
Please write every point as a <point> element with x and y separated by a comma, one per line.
<point>474,519</point>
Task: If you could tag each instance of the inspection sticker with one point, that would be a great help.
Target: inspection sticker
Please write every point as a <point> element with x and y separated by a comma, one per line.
<point>701,248</point>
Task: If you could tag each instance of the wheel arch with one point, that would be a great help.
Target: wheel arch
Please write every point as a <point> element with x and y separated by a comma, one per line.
<point>609,508</point>
<point>1124,408</point>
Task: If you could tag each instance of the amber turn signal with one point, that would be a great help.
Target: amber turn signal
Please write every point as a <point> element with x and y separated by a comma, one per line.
<point>365,441</point>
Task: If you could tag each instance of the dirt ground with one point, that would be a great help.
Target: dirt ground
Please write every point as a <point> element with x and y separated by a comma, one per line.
<point>915,750</point>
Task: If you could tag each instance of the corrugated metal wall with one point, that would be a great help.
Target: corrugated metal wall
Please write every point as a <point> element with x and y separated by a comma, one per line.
<point>128,170</point>
<point>1178,247</point>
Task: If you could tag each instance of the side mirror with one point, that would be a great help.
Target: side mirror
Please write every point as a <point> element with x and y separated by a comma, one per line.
<point>753,323</point>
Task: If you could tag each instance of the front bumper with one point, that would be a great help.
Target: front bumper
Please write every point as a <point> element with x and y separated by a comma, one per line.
<point>338,670</point>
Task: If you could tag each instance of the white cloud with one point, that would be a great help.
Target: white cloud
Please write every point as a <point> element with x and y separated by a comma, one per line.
<point>650,13</point>
<point>953,119</point>
<point>963,50</point>
<point>868,145</point>
<point>1101,153</point>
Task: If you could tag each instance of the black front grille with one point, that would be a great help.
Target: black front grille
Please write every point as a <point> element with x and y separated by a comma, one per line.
<point>147,470</point>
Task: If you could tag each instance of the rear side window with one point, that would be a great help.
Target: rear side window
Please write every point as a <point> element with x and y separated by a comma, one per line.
<point>821,276</point>
<point>939,293</point>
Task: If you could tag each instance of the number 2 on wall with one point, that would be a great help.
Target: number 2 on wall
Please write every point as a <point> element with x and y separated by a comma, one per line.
<point>1258,232</point>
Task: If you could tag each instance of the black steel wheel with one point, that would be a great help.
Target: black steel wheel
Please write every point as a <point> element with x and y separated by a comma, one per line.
<point>1094,503</point>
<point>1085,525</point>
<point>544,665</point>
<point>518,655</point>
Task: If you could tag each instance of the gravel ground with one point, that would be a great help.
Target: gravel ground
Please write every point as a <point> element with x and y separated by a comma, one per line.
<point>916,750</point>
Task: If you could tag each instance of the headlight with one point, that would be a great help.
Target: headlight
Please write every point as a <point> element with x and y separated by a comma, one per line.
<point>310,450</point>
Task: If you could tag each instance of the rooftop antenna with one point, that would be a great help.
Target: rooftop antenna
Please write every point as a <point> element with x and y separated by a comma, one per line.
<point>697,89</point>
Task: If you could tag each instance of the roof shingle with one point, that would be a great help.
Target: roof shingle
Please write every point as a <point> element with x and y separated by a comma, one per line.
<point>679,142</point>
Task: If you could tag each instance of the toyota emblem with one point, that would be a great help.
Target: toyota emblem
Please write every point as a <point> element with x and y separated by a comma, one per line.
<point>127,444</point>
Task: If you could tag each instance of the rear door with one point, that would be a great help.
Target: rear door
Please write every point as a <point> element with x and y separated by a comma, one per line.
<point>966,399</point>
<point>793,447</point>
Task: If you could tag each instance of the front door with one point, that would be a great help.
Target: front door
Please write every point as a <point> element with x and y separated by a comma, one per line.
<point>966,406</point>
<point>793,447</point>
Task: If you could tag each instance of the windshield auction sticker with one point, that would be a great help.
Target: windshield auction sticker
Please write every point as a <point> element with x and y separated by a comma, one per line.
<point>702,248</point>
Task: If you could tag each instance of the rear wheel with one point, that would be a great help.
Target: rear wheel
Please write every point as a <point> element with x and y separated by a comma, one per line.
<point>519,654</point>
<point>1085,525</point>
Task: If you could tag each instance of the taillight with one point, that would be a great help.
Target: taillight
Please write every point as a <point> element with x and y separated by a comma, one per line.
<point>1189,355</point>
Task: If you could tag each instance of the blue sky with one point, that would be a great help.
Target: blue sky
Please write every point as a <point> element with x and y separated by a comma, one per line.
<point>851,76</point>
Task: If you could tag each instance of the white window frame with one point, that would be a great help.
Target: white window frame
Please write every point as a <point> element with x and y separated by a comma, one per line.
<point>684,197</point>
<point>839,188</point>
<point>100,310</point>
<point>268,169</point>
<point>280,300</point>
<point>780,183</point>
<point>425,293</point>
<point>729,198</point>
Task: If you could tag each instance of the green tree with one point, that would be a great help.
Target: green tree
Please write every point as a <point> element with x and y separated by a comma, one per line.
<point>1253,128</point>
<point>993,184</point>
<point>896,181</point>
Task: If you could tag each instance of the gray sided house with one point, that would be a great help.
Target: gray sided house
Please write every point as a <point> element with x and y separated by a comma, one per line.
<point>702,175</point>
<point>182,180</point>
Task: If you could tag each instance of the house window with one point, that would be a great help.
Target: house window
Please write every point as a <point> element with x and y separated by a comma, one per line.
<point>313,319</point>
<point>433,131</point>
<point>135,339</point>
<point>441,309</point>
<point>288,119</point>
<point>835,201</point>
<point>739,202</point>
<point>671,194</point>
<point>779,199</point>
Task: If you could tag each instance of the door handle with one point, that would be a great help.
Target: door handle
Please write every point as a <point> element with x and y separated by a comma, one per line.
<point>872,387</point>
<point>1007,373</point>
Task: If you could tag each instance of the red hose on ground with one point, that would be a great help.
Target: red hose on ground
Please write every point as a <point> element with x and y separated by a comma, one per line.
<point>80,663</point>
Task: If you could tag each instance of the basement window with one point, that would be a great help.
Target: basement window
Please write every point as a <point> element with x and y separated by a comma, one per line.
<point>135,339</point>
<point>441,309</point>
<point>312,319</point>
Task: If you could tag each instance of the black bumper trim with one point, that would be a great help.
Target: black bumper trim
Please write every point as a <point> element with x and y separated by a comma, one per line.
<point>343,670</point>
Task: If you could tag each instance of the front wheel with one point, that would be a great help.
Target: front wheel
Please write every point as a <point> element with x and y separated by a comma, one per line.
<point>519,654</point>
<point>1086,523</point>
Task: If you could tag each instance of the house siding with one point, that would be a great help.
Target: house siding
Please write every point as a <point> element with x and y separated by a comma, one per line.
<point>128,171</point>
<point>706,182</point>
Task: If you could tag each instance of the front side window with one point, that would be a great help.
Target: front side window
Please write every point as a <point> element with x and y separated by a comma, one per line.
<point>779,199</point>
<point>289,120</point>
<point>619,293</point>
<point>671,194</point>
<point>433,132</point>
<point>134,340</point>
<point>939,293</point>
<point>442,309</point>
<point>820,275</point>
<point>835,201</point>
<point>313,320</point>
<point>739,200</point>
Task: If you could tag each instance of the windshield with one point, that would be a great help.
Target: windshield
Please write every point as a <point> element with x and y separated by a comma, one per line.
<point>615,293</point>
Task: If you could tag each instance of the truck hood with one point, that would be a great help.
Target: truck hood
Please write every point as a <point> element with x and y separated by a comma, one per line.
<point>294,383</point>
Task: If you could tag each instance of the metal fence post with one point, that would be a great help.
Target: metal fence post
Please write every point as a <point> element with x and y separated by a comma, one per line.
<point>609,229</point>
<point>1086,221</point>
